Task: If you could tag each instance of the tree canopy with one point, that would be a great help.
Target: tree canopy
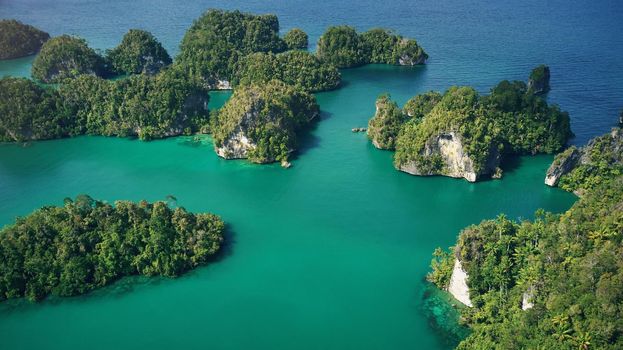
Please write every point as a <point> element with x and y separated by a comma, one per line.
<point>296,39</point>
<point>138,52</point>
<point>87,244</point>
<point>65,57</point>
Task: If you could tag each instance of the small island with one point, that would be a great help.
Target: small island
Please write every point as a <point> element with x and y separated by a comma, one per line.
<point>65,57</point>
<point>261,123</point>
<point>20,40</point>
<point>87,244</point>
<point>464,135</point>
<point>580,169</point>
<point>343,47</point>
<point>552,282</point>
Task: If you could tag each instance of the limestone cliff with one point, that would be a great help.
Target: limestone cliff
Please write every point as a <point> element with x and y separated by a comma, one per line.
<point>444,154</point>
<point>539,80</point>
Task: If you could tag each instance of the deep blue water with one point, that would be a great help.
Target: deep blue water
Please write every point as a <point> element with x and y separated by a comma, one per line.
<point>473,42</point>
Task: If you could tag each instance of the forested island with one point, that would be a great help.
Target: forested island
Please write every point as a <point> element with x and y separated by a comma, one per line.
<point>462,134</point>
<point>261,122</point>
<point>19,40</point>
<point>86,244</point>
<point>553,282</point>
<point>167,104</point>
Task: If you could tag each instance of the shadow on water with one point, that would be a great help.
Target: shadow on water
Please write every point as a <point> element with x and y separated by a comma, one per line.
<point>511,163</point>
<point>307,139</point>
<point>124,285</point>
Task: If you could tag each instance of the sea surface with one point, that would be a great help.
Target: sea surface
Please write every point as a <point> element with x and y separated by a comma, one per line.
<point>332,253</point>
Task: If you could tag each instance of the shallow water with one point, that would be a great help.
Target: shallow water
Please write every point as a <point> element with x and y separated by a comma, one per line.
<point>332,253</point>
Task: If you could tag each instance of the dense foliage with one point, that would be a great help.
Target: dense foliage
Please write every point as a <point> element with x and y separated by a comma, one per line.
<point>383,129</point>
<point>569,266</point>
<point>218,39</point>
<point>270,115</point>
<point>145,106</point>
<point>296,39</point>
<point>510,120</point>
<point>18,39</point>
<point>299,68</point>
<point>601,161</point>
<point>28,111</point>
<point>138,52</point>
<point>87,244</point>
<point>65,57</point>
<point>538,83</point>
<point>343,47</point>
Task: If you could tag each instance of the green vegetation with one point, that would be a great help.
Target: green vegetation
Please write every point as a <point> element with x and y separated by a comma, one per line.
<point>18,39</point>
<point>299,68</point>
<point>600,162</point>
<point>145,106</point>
<point>28,111</point>
<point>268,115</point>
<point>139,52</point>
<point>216,41</point>
<point>296,39</point>
<point>539,80</point>
<point>65,57</point>
<point>567,265</point>
<point>511,120</point>
<point>383,129</point>
<point>87,244</point>
<point>343,47</point>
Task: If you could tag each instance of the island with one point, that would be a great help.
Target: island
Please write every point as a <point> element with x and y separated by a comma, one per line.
<point>343,47</point>
<point>87,244</point>
<point>553,282</point>
<point>464,135</point>
<point>20,40</point>
<point>167,104</point>
<point>580,169</point>
<point>138,52</point>
<point>262,122</point>
<point>65,57</point>
<point>538,83</point>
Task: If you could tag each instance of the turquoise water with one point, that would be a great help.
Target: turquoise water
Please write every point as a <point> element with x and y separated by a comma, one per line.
<point>332,253</point>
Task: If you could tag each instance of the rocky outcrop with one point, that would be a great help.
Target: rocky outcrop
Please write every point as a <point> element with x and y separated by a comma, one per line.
<point>408,60</point>
<point>539,80</point>
<point>563,164</point>
<point>607,148</point>
<point>223,85</point>
<point>458,284</point>
<point>455,162</point>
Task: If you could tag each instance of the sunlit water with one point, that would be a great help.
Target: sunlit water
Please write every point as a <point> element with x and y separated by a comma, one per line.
<point>332,253</point>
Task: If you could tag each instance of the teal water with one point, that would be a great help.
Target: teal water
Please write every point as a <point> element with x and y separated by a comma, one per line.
<point>332,253</point>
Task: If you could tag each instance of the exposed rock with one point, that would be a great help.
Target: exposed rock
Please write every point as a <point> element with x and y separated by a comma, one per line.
<point>458,284</point>
<point>527,299</point>
<point>539,80</point>
<point>406,60</point>
<point>238,145</point>
<point>223,85</point>
<point>151,66</point>
<point>563,164</point>
<point>359,129</point>
<point>285,164</point>
<point>456,162</point>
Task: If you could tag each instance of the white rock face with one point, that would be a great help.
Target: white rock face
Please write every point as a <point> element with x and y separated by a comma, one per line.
<point>457,163</point>
<point>237,146</point>
<point>526,300</point>
<point>223,85</point>
<point>458,284</point>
